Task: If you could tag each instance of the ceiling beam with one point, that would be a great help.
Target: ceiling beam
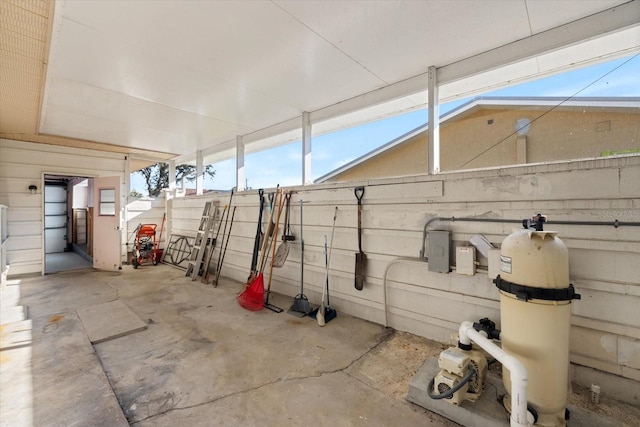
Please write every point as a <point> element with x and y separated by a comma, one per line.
<point>591,27</point>
<point>240,177</point>
<point>306,149</point>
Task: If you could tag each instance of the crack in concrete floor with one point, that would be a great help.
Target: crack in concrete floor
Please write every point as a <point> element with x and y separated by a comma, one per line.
<point>384,337</point>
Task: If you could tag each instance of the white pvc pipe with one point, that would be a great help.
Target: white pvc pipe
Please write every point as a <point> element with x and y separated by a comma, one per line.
<point>518,372</point>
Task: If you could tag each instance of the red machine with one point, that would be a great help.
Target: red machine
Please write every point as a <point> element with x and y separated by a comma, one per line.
<point>145,246</point>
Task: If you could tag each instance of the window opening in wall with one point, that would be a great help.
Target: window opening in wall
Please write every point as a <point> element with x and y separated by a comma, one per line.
<point>152,180</point>
<point>278,165</point>
<point>587,112</point>
<point>107,202</point>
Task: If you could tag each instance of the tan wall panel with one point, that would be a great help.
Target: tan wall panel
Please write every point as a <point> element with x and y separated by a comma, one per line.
<point>472,142</point>
<point>406,159</point>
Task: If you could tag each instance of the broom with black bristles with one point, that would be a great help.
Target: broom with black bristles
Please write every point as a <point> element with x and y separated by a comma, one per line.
<point>301,306</point>
<point>324,313</point>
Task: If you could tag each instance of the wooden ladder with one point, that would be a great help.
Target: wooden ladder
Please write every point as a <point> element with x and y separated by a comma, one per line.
<point>202,239</point>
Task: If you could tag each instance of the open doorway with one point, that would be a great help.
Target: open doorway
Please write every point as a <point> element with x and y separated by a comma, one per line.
<point>67,223</point>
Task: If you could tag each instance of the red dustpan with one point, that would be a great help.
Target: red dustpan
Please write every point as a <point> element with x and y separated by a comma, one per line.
<point>252,298</point>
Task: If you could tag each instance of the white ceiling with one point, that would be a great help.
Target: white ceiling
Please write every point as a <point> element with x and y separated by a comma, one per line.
<point>181,76</point>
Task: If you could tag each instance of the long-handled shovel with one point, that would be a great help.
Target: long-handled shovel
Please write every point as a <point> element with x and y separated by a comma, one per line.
<point>361,257</point>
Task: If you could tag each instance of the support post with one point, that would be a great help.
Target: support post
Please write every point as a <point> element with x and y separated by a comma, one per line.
<point>240,178</point>
<point>172,175</point>
<point>199,173</point>
<point>306,149</point>
<point>124,203</point>
<point>127,176</point>
<point>434,122</point>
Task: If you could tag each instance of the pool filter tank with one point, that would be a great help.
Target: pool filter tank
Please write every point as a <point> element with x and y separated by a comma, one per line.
<point>535,310</point>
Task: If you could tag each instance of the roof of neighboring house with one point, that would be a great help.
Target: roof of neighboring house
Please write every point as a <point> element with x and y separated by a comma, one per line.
<point>488,102</point>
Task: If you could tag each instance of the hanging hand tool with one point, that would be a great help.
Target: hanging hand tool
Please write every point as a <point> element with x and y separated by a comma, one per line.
<point>252,297</point>
<point>325,313</point>
<point>272,197</point>
<point>328,313</point>
<point>256,243</point>
<point>361,257</point>
<point>287,236</point>
<point>275,234</point>
<point>159,251</point>
<point>224,251</point>
<point>301,306</point>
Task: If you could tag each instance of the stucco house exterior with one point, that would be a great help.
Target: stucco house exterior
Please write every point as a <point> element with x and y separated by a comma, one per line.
<point>490,132</point>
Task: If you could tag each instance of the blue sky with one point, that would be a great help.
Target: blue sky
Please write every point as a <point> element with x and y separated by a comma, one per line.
<point>282,165</point>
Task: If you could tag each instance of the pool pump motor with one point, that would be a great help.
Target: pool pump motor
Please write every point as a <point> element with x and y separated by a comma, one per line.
<point>462,372</point>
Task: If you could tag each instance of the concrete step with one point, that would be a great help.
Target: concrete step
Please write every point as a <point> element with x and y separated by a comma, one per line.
<point>12,314</point>
<point>15,334</point>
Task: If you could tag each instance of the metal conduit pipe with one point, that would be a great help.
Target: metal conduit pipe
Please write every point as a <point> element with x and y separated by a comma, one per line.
<point>423,249</point>
<point>384,280</point>
<point>520,417</point>
<point>614,223</point>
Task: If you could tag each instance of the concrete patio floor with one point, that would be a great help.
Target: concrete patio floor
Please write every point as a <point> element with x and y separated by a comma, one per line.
<point>203,360</point>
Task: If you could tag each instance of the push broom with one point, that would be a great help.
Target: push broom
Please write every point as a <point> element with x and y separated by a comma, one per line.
<point>301,306</point>
<point>324,313</point>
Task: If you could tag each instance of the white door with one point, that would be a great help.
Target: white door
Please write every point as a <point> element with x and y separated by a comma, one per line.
<point>106,223</point>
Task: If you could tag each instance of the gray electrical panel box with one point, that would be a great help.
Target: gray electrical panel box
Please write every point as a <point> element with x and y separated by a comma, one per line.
<point>439,251</point>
